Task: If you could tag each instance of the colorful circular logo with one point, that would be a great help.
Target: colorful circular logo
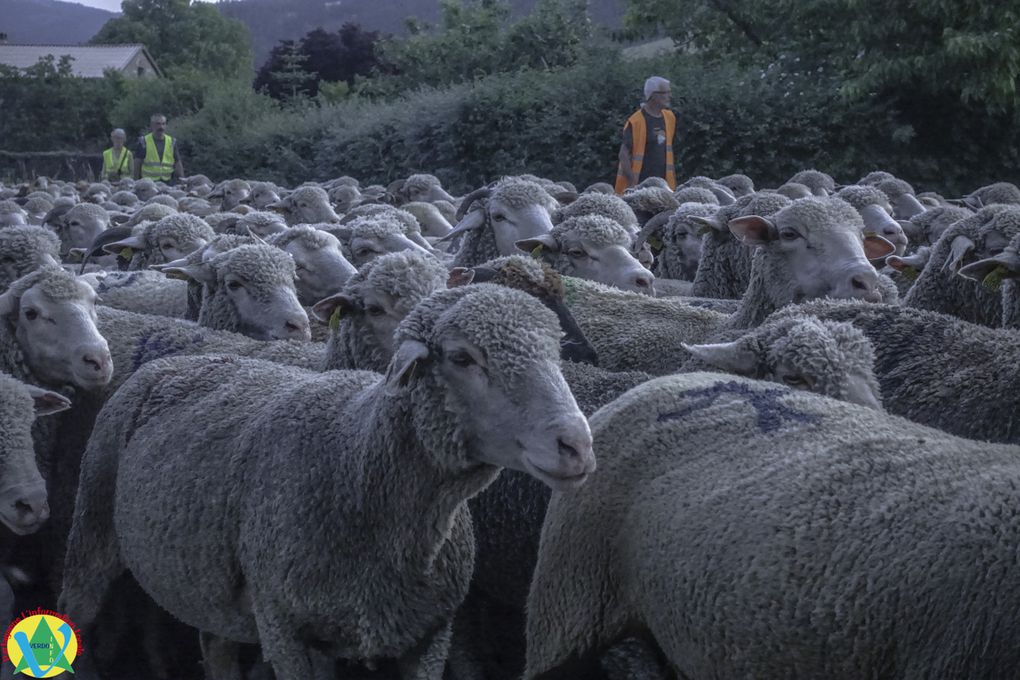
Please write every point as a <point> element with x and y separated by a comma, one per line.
<point>41,644</point>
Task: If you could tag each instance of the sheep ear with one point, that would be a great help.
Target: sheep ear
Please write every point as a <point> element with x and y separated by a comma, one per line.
<point>200,272</point>
<point>753,230</point>
<point>958,249</point>
<point>132,242</point>
<point>707,224</point>
<point>8,303</point>
<point>119,218</point>
<point>338,304</point>
<point>48,260</point>
<point>460,276</point>
<point>77,254</point>
<point>402,367</point>
<point>473,220</point>
<point>46,402</point>
<point>539,245</point>
<point>898,263</point>
<point>877,247</point>
<point>1005,265</point>
<point>910,229</point>
<point>732,357</point>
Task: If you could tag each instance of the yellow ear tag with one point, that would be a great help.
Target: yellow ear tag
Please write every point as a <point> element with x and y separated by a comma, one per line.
<point>909,273</point>
<point>126,253</point>
<point>334,320</point>
<point>537,251</point>
<point>994,279</point>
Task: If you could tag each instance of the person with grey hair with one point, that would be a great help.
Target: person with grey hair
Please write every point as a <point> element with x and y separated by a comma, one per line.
<point>118,159</point>
<point>156,154</point>
<point>647,146</point>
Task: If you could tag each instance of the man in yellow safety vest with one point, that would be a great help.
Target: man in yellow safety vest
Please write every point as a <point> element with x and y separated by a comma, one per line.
<point>117,160</point>
<point>647,147</point>
<point>156,155</point>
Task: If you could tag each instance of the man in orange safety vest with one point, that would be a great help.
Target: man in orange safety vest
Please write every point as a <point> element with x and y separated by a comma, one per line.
<point>647,146</point>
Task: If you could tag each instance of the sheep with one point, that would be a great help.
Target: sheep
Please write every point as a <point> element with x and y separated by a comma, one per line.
<point>724,267</point>
<point>433,222</point>
<point>936,369</point>
<point>144,189</point>
<point>198,185</point>
<point>939,289</point>
<point>925,229</point>
<point>721,194</point>
<point>125,199</point>
<point>344,197</point>
<point>739,185</point>
<point>250,290</point>
<point>80,226</point>
<point>696,195</point>
<point>649,201</point>
<point>364,315</point>
<point>152,212</point>
<point>48,334</point>
<point>874,206</point>
<point>931,199</point>
<point>599,188</point>
<point>370,237</point>
<point>262,195</point>
<point>901,195</point>
<point>319,262</point>
<point>676,240</point>
<point>199,207</point>
<point>305,205</point>
<point>259,223</point>
<point>1000,192</point>
<point>231,193</point>
<point>607,205</point>
<point>875,176</point>
<point>422,433</point>
<point>426,188</point>
<point>12,214</point>
<point>818,182</point>
<point>493,218</point>
<point>25,249</point>
<point>833,359</point>
<point>163,199</point>
<point>792,190</point>
<point>169,239</point>
<point>37,208</point>
<point>408,223</point>
<point>663,540</point>
<point>594,248</point>
<point>811,248</point>
<point>147,292</point>
<point>23,498</point>
<point>1001,270</point>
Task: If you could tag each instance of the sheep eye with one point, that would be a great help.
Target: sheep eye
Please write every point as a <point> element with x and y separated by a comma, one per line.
<point>375,310</point>
<point>302,205</point>
<point>31,314</point>
<point>576,253</point>
<point>461,358</point>
<point>995,251</point>
<point>789,235</point>
<point>234,285</point>
<point>499,218</point>
<point>795,381</point>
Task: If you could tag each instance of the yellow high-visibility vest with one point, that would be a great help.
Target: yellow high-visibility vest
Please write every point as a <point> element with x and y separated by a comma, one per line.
<point>154,167</point>
<point>639,134</point>
<point>115,169</point>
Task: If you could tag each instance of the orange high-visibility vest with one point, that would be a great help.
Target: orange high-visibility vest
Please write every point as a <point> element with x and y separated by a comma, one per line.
<point>639,134</point>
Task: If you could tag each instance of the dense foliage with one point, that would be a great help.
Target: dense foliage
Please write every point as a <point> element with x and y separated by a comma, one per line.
<point>185,38</point>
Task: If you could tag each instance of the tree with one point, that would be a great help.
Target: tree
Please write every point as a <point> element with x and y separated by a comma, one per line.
<point>935,49</point>
<point>184,37</point>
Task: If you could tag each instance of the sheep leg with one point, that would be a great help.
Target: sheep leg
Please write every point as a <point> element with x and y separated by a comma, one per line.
<point>290,658</point>
<point>427,660</point>
<point>220,657</point>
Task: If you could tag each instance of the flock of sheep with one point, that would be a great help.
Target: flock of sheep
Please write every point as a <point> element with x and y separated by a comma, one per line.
<point>283,418</point>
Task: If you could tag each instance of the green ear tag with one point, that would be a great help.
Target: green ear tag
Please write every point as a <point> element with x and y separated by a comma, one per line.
<point>994,279</point>
<point>334,320</point>
<point>703,229</point>
<point>175,275</point>
<point>909,273</point>
<point>126,253</point>
<point>537,251</point>
<point>655,242</point>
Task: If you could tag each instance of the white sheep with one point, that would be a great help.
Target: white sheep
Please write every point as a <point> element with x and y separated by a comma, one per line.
<point>753,531</point>
<point>388,465</point>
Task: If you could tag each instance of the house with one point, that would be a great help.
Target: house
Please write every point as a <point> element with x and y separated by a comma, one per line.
<point>89,61</point>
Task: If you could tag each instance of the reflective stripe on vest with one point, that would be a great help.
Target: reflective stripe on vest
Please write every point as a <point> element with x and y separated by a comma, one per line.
<point>111,167</point>
<point>153,167</point>
<point>639,135</point>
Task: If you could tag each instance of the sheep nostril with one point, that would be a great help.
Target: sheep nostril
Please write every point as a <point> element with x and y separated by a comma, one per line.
<point>643,281</point>
<point>92,362</point>
<point>859,283</point>
<point>566,450</point>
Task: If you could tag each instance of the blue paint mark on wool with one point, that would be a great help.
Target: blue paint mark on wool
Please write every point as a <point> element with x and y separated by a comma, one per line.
<point>162,344</point>
<point>772,412</point>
